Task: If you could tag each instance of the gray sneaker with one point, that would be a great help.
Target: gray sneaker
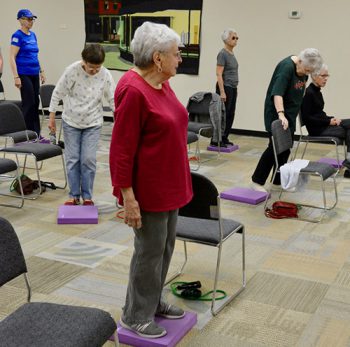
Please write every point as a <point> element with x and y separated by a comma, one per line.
<point>170,311</point>
<point>148,330</point>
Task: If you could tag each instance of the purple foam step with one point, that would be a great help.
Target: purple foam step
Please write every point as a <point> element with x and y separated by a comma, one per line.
<point>176,330</point>
<point>246,195</point>
<point>68,214</point>
<point>331,161</point>
<point>227,149</point>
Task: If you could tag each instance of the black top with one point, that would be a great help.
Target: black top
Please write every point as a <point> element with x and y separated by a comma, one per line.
<point>313,116</point>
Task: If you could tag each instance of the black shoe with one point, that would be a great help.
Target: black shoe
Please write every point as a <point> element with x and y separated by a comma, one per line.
<point>227,142</point>
<point>347,174</point>
<point>216,144</point>
<point>346,163</point>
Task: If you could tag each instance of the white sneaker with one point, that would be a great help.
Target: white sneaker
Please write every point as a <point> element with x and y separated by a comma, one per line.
<point>258,187</point>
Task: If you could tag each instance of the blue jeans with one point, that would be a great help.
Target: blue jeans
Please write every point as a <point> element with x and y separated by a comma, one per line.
<point>80,154</point>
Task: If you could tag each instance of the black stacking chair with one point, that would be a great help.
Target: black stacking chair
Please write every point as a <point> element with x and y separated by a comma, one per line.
<point>200,222</point>
<point>45,95</point>
<point>17,136</point>
<point>39,324</point>
<point>3,97</point>
<point>328,140</point>
<point>7,166</point>
<point>282,141</point>
<point>12,122</point>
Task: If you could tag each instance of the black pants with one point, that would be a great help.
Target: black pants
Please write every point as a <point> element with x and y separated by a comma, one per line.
<point>30,101</point>
<point>230,106</point>
<point>342,131</point>
<point>267,162</point>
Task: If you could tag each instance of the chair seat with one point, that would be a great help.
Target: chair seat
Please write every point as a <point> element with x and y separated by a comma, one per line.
<point>45,324</point>
<point>191,137</point>
<point>41,151</point>
<point>196,127</point>
<point>205,230</point>
<point>323,139</point>
<point>323,169</point>
<point>21,136</point>
<point>7,165</point>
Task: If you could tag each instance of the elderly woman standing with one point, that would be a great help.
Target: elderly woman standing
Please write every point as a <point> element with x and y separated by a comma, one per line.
<point>82,86</point>
<point>227,79</point>
<point>150,171</point>
<point>26,68</point>
<point>283,100</point>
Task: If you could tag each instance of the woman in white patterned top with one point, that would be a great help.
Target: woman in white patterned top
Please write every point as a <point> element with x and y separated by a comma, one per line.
<point>82,88</point>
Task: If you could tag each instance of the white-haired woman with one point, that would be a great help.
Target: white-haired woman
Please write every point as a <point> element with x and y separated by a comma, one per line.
<point>150,171</point>
<point>227,80</point>
<point>283,100</point>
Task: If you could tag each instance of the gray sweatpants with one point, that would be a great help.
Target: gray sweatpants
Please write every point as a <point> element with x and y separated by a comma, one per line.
<point>153,248</point>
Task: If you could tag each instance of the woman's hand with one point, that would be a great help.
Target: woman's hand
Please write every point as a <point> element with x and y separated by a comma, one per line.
<point>223,96</point>
<point>42,77</point>
<point>52,123</point>
<point>132,215</point>
<point>18,82</point>
<point>284,120</point>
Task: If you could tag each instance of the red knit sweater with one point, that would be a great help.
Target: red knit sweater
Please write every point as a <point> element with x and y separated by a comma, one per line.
<point>149,145</point>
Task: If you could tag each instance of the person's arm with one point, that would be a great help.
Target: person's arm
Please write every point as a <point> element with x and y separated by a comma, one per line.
<point>42,74</point>
<point>279,106</point>
<point>219,72</point>
<point>109,90</point>
<point>132,214</point>
<point>13,53</point>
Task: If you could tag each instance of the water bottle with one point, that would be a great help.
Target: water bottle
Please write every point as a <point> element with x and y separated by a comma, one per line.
<point>52,138</point>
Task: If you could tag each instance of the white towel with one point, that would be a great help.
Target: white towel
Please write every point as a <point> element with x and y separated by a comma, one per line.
<point>290,179</point>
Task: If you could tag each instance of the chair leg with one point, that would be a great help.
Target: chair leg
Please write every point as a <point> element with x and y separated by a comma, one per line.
<point>241,288</point>
<point>179,272</point>
<point>116,339</point>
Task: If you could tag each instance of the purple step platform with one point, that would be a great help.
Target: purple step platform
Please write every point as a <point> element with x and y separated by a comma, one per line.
<point>246,195</point>
<point>227,149</point>
<point>176,330</point>
<point>77,215</point>
<point>330,161</point>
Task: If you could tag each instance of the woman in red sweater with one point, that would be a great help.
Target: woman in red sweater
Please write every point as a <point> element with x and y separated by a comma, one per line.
<point>150,171</point>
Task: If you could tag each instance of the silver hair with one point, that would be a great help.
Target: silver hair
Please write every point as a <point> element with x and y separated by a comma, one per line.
<point>316,73</point>
<point>311,59</point>
<point>226,33</point>
<point>149,38</point>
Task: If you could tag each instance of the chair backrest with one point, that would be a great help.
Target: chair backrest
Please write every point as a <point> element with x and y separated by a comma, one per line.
<point>12,262</point>
<point>45,93</point>
<point>1,88</point>
<point>204,202</point>
<point>199,111</point>
<point>11,118</point>
<point>282,139</point>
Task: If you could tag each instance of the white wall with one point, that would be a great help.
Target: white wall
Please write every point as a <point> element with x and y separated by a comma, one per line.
<point>266,35</point>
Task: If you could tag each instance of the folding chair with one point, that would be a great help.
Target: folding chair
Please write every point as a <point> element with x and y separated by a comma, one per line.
<point>200,222</point>
<point>7,166</point>
<point>45,94</point>
<point>39,324</point>
<point>328,140</point>
<point>11,121</point>
<point>282,141</point>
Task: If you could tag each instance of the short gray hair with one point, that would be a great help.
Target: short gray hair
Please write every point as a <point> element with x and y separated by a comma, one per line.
<point>149,38</point>
<point>316,73</point>
<point>311,59</point>
<point>226,33</point>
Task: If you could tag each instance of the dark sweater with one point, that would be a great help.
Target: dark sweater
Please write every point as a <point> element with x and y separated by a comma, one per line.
<point>313,116</point>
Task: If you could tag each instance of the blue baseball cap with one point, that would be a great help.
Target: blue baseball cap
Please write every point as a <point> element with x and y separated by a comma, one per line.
<point>25,13</point>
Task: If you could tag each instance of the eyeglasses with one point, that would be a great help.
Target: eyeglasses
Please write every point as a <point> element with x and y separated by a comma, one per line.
<point>28,19</point>
<point>178,54</point>
<point>235,38</point>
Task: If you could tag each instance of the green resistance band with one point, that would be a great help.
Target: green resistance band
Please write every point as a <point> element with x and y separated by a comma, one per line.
<point>203,297</point>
